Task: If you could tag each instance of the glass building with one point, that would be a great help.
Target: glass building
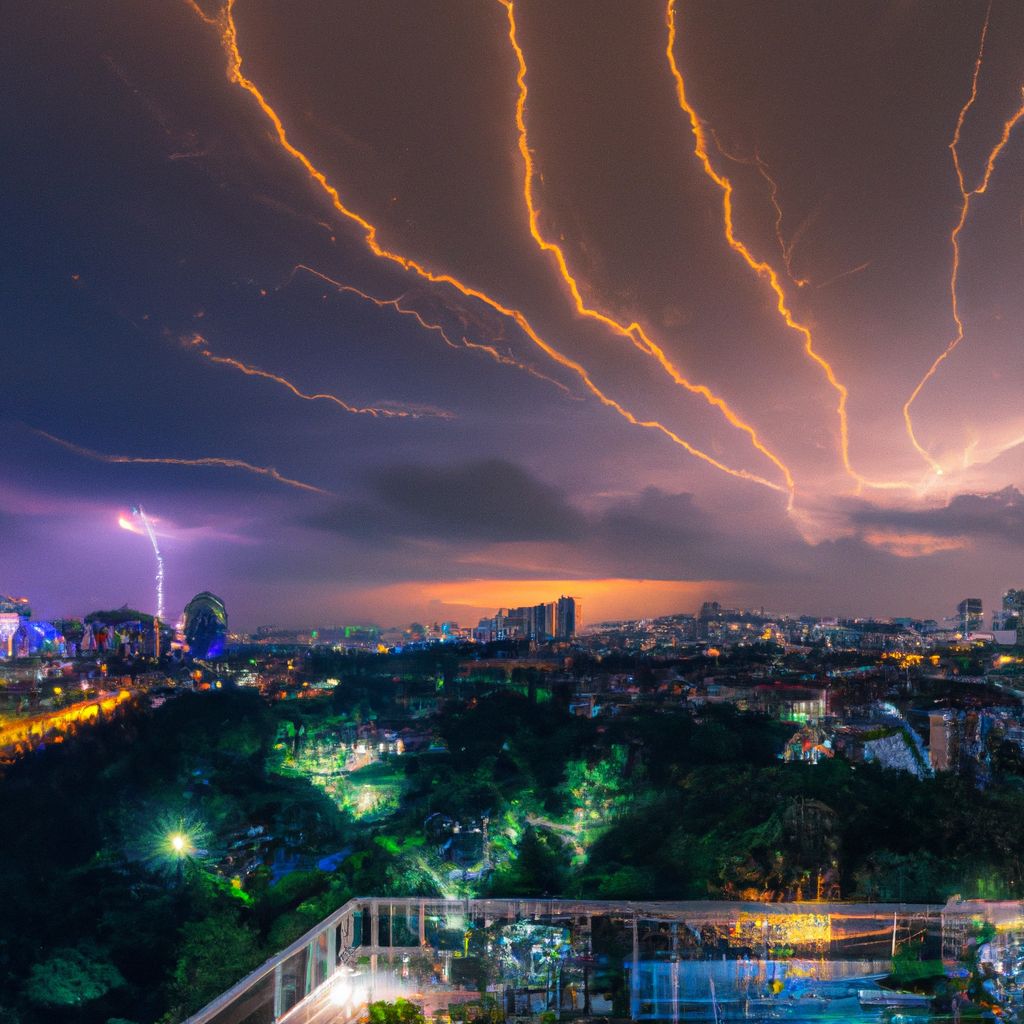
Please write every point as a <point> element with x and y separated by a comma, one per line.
<point>206,625</point>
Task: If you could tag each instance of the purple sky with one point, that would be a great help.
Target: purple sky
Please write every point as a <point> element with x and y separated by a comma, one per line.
<point>154,224</point>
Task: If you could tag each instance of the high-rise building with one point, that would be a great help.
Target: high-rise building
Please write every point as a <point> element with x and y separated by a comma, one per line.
<point>568,617</point>
<point>206,625</point>
<point>969,615</point>
<point>1011,615</point>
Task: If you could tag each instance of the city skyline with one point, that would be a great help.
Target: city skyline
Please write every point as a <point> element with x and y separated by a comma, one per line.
<point>200,204</point>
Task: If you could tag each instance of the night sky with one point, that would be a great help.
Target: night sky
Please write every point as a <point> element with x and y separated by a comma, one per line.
<point>658,438</point>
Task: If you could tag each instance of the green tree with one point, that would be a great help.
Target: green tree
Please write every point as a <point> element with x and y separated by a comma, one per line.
<point>401,1011</point>
<point>213,954</point>
<point>71,977</point>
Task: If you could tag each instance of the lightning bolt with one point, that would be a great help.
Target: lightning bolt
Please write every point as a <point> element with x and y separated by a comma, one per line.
<point>229,44</point>
<point>786,248</point>
<point>633,332</point>
<point>211,460</point>
<point>763,270</point>
<point>396,304</point>
<point>966,195</point>
<point>151,534</point>
<point>198,342</point>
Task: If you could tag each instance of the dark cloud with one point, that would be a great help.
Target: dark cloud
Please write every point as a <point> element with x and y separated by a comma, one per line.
<point>485,500</point>
<point>998,514</point>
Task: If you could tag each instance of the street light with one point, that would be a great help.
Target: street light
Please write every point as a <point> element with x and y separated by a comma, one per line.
<point>182,848</point>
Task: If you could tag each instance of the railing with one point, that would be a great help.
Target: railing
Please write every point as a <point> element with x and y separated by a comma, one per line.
<point>336,968</point>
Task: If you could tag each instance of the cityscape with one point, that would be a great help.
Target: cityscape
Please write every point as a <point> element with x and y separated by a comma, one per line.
<point>512,512</point>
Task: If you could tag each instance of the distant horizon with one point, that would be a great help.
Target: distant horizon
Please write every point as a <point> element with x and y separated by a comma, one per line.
<point>470,619</point>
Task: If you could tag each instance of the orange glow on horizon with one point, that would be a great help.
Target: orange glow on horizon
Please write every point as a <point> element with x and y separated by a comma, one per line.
<point>210,460</point>
<point>760,267</point>
<point>229,42</point>
<point>633,332</point>
<point>966,195</point>
<point>603,599</point>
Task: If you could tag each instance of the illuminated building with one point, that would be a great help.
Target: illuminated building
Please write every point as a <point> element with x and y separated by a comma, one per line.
<point>15,606</point>
<point>9,623</point>
<point>206,625</point>
<point>558,620</point>
<point>969,615</point>
<point>1011,617</point>
<point>36,638</point>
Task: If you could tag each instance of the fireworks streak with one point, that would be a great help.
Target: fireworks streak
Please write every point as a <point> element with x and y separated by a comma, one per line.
<point>198,342</point>
<point>229,42</point>
<point>396,304</point>
<point>760,267</point>
<point>267,471</point>
<point>966,195</point>
<point>633,331</point>
<point>140,514</point>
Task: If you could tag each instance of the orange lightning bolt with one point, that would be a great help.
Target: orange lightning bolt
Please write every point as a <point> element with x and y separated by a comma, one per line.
<point>760,267</point>
<point>396,304</point>
<point>229,42</point>
<point>198,342</point>
<point>632,332</point>
<point>966,195</point>
<point>211,460</point>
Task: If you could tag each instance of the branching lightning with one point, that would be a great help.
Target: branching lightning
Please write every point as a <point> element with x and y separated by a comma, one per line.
<point>229,42</point>
<point>199,343</point>
<point>396,304</point>
<point>140,514</point>
<point>786,248</point>
<point>633,331</point>
<point>760,267</point>
<point>966,195</point>
<point>267,471</point>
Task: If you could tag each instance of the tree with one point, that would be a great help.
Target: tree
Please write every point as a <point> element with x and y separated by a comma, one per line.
<point>71,977</point>
<point>213,954</point>
<point>401,1011</point>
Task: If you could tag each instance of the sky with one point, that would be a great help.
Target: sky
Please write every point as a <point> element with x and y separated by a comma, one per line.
<point>390,312</point>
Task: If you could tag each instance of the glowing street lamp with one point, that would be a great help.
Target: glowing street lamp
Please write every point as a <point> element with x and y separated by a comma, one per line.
<point>181,846</point>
